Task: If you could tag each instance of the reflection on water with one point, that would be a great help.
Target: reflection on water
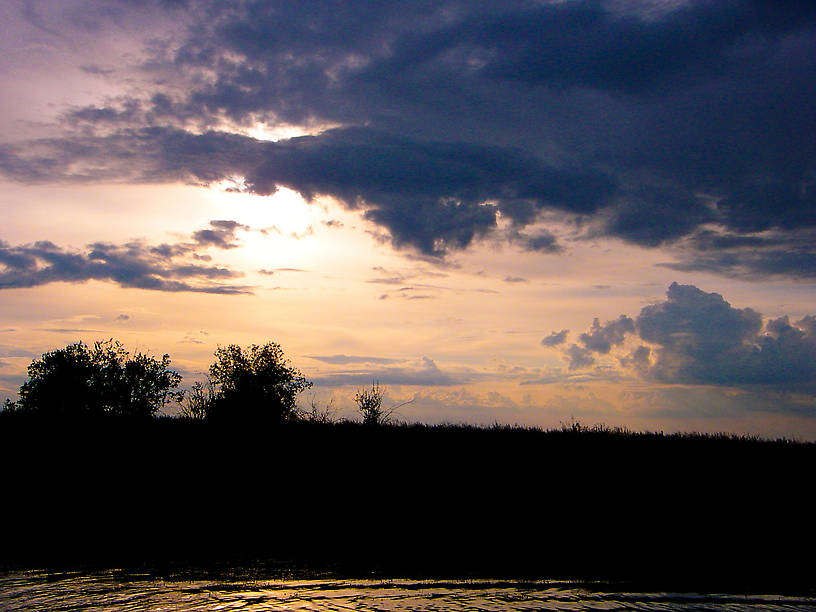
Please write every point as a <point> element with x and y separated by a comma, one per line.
<point>118,591</point>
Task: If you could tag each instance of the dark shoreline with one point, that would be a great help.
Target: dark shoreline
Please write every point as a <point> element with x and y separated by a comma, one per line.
<point>683,512</point>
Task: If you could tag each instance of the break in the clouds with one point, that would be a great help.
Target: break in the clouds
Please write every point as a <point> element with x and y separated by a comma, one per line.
<point>134,264</point>
<point>648,123</point>
<point>695,337</point>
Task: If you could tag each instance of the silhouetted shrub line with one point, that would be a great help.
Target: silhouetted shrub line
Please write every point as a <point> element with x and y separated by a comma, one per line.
<point>407,499</point>
<point>95,473</point>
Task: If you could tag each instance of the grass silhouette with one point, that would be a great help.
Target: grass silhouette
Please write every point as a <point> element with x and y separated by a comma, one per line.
<point>577,502</point>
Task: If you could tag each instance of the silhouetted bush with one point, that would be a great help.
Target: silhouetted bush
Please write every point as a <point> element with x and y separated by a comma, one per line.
<point>369,403</point>
<point>198,401</point>
<point>316,414</point>
<point>79,380</point>
<point>253,384</point>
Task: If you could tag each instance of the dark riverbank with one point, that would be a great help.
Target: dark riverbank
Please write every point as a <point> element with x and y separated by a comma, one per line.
<point>677,511</point>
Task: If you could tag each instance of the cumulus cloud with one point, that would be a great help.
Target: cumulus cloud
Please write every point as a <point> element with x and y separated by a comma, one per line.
<point>702,339</point>
<point>695,337</point>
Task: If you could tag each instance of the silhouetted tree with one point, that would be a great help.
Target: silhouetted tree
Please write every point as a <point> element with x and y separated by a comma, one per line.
<point>82,380</point>
<point>255,383</point>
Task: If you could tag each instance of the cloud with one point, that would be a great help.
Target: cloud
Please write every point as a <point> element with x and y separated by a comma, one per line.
<point>71,330</point>
<point>645,122</point>
<point>13,351</point>
<point>541,241</point>
<point>698,338</point>
<point>752,257</point>
<point>462,185</point>
<point>579,357</point>
<point>651,216</point>
<point>131,265</point>
<point>702,339</point>
<point>555,338</point>
<point>221,235</point>
<point>638,359</point>
<point>347,359</point>
<point>601,339</point>
<point>424,372</point>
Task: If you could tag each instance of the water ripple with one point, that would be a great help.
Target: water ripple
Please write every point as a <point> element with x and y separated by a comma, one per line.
<point>113,591</point>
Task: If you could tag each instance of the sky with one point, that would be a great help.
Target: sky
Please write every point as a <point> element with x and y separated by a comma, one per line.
<point>523,212</point>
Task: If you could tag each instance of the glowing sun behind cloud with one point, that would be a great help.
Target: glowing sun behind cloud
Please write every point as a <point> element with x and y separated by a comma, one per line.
<point>285,211</point>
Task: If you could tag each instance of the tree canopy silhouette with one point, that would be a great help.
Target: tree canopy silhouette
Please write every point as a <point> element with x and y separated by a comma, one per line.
<point>79,380</point>
<point>255,383</point>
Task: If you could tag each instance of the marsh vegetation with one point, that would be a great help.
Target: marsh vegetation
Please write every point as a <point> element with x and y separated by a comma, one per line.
<point>245,475</point>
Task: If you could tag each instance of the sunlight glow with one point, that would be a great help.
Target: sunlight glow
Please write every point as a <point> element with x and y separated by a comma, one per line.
<point>273,132</point>
<point>285,212</point>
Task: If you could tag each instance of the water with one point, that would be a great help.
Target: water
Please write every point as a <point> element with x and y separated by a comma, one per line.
<point>117,591</point>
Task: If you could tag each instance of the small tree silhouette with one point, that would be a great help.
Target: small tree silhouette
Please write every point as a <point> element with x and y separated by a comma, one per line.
<point>369,403</point>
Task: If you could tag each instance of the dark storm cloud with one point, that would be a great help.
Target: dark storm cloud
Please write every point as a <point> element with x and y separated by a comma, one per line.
<point>769,254</point>
<point>752,264</point>
<point>129,265</point>
<point>651,216</point>
<point>756,208</point>
<point>699,338</point>
<point>429,195</point>
<point>269,54</point>
<point>649,123</point>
